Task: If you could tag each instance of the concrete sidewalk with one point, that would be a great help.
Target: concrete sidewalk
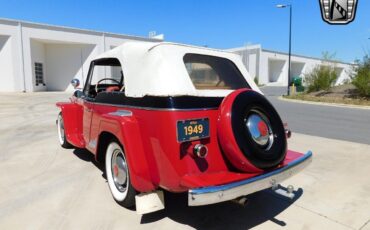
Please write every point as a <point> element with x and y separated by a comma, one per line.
<point>43,186</point>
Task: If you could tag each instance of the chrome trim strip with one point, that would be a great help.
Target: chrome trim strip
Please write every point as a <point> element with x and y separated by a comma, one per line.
<point>152,108</point>
<point>216,194</point>
<point>121,113</point>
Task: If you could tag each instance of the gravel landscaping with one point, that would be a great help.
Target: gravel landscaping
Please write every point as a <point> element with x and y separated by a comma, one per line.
<point>343,94</point>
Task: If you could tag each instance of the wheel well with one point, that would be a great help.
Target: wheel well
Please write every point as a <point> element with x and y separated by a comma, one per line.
<point>104,139</point>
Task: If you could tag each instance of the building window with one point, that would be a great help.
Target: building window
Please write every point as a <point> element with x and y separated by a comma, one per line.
<point>39,73</point>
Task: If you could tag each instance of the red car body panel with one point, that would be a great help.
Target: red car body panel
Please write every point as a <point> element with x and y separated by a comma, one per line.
<point>224,177</point>
<point>72,114</point>
<point>149,138</point>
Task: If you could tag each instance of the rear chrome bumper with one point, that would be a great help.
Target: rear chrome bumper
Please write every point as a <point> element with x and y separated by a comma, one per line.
<point>216,194</point>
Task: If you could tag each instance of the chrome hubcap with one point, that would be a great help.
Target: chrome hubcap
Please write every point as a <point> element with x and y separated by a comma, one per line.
<point>119,170</point>
<point>260,129</point>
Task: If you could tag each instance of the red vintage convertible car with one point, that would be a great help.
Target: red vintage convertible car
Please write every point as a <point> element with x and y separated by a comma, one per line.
<point>164,116</point>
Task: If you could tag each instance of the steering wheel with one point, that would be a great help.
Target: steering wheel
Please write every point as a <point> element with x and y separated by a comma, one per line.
<point>112,79</point>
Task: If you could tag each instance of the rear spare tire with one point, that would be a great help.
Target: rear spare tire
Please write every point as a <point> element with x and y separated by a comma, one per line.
<point>250,132</point>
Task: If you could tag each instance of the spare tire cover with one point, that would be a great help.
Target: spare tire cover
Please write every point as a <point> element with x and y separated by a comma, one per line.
<point>250,132</point>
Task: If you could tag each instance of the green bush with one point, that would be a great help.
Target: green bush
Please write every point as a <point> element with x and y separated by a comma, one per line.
<point>256,80</point>
<point>321,78</point>
<point>362,79</point>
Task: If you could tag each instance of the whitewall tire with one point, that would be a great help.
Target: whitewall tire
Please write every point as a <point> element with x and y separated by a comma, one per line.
<point>61,132</point>
<point>118,176</point>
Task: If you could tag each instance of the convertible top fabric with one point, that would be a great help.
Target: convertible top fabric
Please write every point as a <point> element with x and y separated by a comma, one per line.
<point>158,69</point>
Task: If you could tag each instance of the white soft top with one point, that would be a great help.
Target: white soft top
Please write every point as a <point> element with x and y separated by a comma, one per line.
<point>158,69</point>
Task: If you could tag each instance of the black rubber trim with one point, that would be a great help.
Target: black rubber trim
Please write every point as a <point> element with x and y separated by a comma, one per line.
<point>179,102</point>
<point>258,156</point>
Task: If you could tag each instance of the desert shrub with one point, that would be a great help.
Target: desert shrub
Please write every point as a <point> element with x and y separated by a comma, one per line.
<point>347,81</point>
<point>361,80</point>
<point>320,78</point>
<point>256,80</point>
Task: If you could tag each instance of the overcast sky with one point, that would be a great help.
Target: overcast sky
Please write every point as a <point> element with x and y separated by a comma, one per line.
<point>218,24</point>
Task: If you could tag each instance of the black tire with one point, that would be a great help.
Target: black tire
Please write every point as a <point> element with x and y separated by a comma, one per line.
<point>61,133</point>
<point>260,156</point>
<point>122,192</point>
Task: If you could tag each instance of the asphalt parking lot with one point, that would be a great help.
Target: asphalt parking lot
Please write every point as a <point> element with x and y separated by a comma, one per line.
<point>336,122</point>
<point>43,186</point>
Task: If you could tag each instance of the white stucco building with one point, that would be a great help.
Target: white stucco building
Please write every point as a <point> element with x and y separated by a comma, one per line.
<point>38,57</point>
<point>271,67</point>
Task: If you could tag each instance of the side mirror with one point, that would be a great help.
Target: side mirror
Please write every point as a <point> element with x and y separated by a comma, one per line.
<point>78,94</point>
<point>75,83</point>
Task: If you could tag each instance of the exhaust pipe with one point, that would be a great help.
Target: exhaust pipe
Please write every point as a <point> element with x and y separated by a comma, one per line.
<point>242,201</point>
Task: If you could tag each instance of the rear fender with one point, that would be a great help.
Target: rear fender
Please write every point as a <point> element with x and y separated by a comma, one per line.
<point>72,117</point>
<point>143,171</point>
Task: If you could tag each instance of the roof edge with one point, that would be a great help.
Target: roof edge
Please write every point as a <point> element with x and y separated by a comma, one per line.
<point>304,56</point>
<point>74,29</point>
<point>236,49</point>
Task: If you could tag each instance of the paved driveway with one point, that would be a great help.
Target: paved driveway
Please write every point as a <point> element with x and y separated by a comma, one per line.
<point>43,186</point>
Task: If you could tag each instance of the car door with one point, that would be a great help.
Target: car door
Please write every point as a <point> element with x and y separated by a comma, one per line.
<point>88,107</point>
<point>87,103</point>
<point>112,69</point>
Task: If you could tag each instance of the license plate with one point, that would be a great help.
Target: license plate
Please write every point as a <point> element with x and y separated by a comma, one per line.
<point>188,130</point>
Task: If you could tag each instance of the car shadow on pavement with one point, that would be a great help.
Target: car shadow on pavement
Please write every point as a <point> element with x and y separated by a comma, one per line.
<point>262,206</point>
<point>85,155</point>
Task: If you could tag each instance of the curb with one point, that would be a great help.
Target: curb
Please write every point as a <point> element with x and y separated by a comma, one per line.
<point>325,103</point>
